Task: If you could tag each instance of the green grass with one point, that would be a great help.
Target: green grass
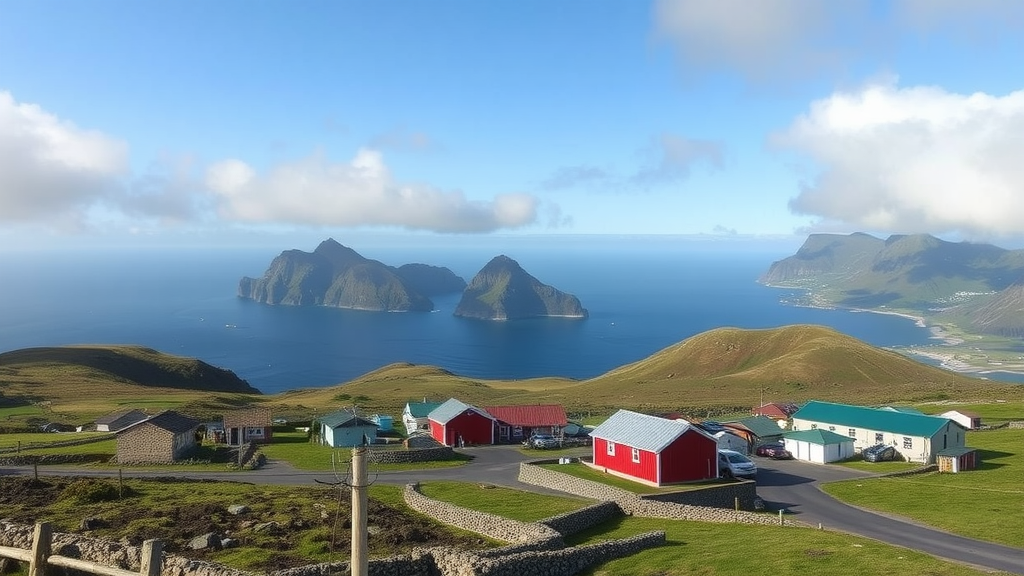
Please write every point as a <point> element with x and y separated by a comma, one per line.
<point>506,502</point>
<point>27,438</point>
<point>987,503</point>
<point>880,467</point>
<point>20,413</point>
<point>587,473</point>
<point>705,549</point>
<point>295,449</point>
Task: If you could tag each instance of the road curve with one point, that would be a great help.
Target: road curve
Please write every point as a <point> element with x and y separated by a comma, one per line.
<point>790,485</point>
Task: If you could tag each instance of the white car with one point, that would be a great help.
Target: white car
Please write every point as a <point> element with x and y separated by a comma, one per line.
<point>732,464</point>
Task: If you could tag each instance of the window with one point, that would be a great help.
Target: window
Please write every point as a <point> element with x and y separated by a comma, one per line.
<point>831,428</point>
<point>611,448</point>
<point>908,442</point>
<point>879,438</point>
<point>852,432</point>
<point>254,433</point>
<point>814,426</point>
<point>636,455</point>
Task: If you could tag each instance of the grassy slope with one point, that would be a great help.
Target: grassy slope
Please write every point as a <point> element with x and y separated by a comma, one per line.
<point>723,370</point>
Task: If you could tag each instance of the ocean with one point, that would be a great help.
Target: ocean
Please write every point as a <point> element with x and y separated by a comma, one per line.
<point>642,296</point>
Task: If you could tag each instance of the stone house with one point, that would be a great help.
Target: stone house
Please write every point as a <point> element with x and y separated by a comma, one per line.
<point>252,424</point>
<point>161,439</point>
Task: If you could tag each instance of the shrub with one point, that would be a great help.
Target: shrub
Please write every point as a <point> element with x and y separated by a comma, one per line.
<point>90,491</point>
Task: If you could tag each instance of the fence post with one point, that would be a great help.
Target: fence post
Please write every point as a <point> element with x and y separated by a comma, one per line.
<point>41,541</point>
<point>151,558</point>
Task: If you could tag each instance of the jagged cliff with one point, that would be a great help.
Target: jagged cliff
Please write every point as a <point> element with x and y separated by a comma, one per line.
<point>502,290</point>
<point>337,276</point>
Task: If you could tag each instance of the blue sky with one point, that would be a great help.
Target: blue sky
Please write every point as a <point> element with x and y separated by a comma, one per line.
<point>211,122</point>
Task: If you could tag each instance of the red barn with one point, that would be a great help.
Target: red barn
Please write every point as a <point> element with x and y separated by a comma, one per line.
<point>455,423</point>
<point>518,422</point>
<point>654,450</point>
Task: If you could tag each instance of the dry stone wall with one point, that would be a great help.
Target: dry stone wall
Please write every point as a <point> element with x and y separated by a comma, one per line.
<point>577,521</point>
<point>635,504</point>
<point>411,455</point>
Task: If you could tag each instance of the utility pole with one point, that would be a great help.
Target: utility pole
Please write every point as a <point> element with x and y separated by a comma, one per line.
<point>358,565</point>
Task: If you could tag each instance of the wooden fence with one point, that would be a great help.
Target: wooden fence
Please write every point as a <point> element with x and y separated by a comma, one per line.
<point>40,557</point>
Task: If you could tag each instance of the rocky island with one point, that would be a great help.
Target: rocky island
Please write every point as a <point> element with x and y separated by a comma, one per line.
<point>502,290</point>
<point>337,276</point>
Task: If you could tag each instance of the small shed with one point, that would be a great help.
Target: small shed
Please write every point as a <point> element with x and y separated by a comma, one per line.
<point>456,423</point>
<point>653,450</point>
<point>121,419</point>
<point>384,422</point>
<point>819,446</point>
<point>345,429</point>
<point>966,418</point>
<point>160,439</point>
<point>957,459</point>
<point>245,425</point>
<point>415,415</point>
<point>756,430</point>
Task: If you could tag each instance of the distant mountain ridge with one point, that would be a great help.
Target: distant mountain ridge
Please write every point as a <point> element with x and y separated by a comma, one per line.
<point>502,290</point>
<point>337,276</point>
<point>916,272</point>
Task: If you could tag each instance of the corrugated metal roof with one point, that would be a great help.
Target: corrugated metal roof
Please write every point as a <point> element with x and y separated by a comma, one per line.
<point>345,419</point>
<point>167,420</point>
<point>955,452</point>
<point>642,431</point>
<point>871,418</point>
<point>452,408</point>
<point>823,437</point>
<point>761,426</point>
<point>535,415</point>
<point>771,410</point>
<point>113,416</point>
<point>421,409</point>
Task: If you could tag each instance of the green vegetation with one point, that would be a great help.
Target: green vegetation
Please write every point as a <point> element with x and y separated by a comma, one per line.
<point>506,502</point>
<point>983,503</point>
<point>296,449</point>
<point>705,549</point>
<point>880,467</point>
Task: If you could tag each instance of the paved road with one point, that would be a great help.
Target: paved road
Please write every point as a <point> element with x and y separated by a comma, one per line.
<point>789,485</point>
<point>795,486</point>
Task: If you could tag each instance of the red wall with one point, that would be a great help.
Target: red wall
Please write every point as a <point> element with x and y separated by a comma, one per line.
<point>470,425</point>
<point>692,456</point>
<point>646,469</point>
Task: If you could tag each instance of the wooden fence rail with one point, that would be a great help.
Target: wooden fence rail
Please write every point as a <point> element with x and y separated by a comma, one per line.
<point>40,556</point>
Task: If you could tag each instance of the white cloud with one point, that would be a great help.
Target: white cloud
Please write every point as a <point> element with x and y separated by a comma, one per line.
<point>761,39</point>
<point>913,160</point>
<point>50,170</point>
<point>318,192</point>
<point>972,18</point>
<point>672,157</point>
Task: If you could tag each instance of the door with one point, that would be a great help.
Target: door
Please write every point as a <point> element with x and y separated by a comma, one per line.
<point>234,437</point>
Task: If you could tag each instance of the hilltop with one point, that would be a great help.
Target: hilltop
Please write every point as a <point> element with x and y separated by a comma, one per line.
<point>502,290</point>
<point>337,276</point>
<point>726,369</point>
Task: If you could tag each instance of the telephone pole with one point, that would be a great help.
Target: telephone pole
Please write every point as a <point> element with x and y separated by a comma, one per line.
<point>359,565</point>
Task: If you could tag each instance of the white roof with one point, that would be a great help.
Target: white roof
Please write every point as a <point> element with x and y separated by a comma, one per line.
<point>650,433</point>
<point>452,408</point>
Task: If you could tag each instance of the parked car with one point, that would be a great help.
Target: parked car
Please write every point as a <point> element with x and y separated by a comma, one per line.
<point>879,453</point>
<point>732,464</point>
<point>775,451</point>
<point>542,441</point>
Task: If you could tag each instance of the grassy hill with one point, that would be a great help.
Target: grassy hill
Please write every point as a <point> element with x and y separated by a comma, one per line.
<point>722,370</point>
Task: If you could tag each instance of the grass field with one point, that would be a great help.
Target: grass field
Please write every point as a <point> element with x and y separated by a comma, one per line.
<point>987,503</point>
<point>705,549</point>
<point>43,438</point>
<point>506,502</point>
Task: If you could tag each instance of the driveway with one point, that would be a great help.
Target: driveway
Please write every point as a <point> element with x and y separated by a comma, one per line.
<point>795,486</point>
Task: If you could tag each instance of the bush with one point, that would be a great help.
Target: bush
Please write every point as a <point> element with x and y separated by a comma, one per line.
<point>89,491</point>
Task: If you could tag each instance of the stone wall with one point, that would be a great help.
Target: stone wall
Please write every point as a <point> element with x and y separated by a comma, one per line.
<point>637,505</point>
<point>46,459</point>
<point>1016,424</point>
<point>145,443</point>
<point>490,525</point>
<point>411,455</point>
<point>718,496</point>
<point>577,521</point>
<point>58,444</point>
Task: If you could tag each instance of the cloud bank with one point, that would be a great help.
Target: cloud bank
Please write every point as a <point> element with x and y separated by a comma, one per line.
<point>318,192</point>
<point>913,160</point>
<point>52,170</point>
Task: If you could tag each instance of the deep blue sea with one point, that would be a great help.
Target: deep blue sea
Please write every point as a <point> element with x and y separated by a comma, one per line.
<point>642,297</point>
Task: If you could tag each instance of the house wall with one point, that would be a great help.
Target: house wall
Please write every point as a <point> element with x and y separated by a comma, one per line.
<point>966,421</point>
<point>622,461</point>
<point>348,436</point>
<point>414,424</point>
<point>819,453</point>
<point>146,443</point>
<point>913,448</point>
<point>471,426</point>
<point>691,457</point>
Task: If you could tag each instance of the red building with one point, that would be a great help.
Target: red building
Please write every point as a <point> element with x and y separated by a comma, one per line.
<point>774,410</point>
<point>654,450</point>
<point>455,423</point>
<point>516,423</point>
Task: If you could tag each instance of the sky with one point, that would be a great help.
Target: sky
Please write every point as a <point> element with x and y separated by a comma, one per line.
<point>233,121</point>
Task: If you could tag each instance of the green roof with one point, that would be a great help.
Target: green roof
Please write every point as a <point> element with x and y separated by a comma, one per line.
<point>762,426</point>
<point>421,409</point>
<point>345,418</point>
<point>823,437</point>
<point>871,418</point>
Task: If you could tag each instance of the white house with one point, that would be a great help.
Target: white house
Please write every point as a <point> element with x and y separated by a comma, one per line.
<point>819,446</point>
<point>966,418</point>
<point>415,415</point>
<point>916,437</point>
